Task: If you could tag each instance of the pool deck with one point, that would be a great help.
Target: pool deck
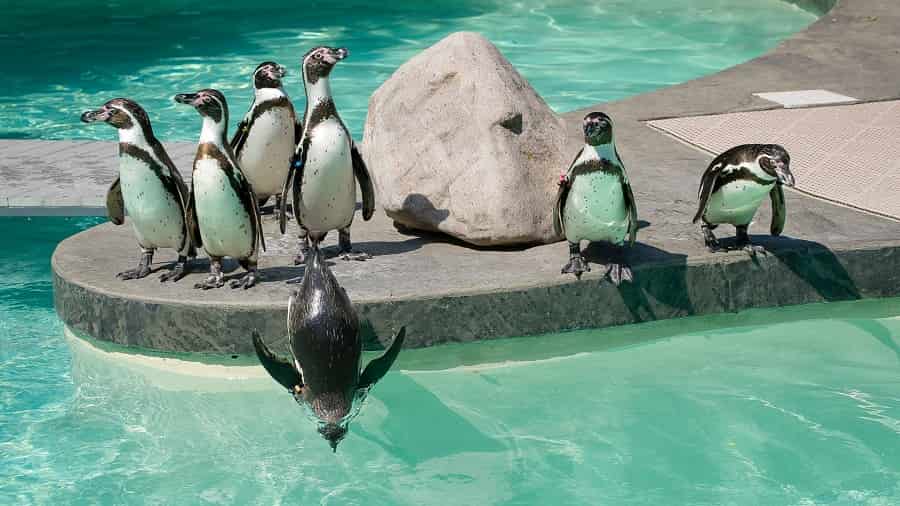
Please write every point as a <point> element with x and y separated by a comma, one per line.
<point>447,292</point>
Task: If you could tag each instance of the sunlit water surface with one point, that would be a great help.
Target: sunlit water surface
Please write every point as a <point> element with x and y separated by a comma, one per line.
<point>788,412</point>
<point>63,57</point>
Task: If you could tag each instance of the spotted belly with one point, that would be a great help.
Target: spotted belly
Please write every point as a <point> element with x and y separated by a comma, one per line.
<point>266,156</point>
<point>225,226</point>
<point>328,189</point>
<point>595,209</point>
<point>736,203</point>
<point>155,213</point>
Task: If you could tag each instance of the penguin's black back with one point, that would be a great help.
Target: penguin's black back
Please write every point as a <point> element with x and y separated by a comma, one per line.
<point>324,331</point>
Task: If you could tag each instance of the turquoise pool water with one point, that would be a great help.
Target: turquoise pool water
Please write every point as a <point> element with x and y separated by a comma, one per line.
<point>65,56</point>
<point>796,406</point>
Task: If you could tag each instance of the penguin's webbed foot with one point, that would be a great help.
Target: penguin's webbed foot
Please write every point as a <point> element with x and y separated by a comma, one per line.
<point>618,273</point>
<point>712,244</point>
<point>577,265</point>
<point>177,272</point>
<point>142,271</point>
<point>359,256</point>
<point>754,249</point>
<point>246,281</point>
<point>213,281</point>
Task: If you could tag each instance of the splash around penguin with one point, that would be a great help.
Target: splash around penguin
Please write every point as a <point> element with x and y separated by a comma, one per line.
<point>595,201</point>
<point>148,186</point>
<point>323,373</point>
<point>733,187</point>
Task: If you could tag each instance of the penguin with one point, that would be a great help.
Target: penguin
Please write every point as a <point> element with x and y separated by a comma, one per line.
<point>323,372</point>
<point>265,139</point>
<point>224,210</point>
<point>733,187</point>
<point>594,201</point>
<point>149,187</point>
<point>325,163</point>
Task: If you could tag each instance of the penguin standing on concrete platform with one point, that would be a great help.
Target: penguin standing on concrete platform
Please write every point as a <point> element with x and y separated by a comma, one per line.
<point>326,164</point>
<point>735,184</point>
<point>264,141</point>
<point>148,186</point>
<point>595,201</point>
<point>223,206</point>
<point>323,373</point>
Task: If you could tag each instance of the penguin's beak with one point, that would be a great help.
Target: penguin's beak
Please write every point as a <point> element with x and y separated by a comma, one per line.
<point>93,116</point>
<point>333,433</point>
<point>186,98</point>
<point>336,55</point>
<point>783,172</point>
<point>280,72</point>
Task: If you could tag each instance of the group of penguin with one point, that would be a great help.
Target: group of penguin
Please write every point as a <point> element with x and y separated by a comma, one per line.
<point>316,160</point>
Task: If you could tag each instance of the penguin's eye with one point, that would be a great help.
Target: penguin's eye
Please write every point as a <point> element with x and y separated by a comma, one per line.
<point>317,56</point>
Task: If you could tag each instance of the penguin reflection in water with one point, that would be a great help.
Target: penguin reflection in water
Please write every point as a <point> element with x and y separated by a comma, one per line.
<point>265,139</point>
<point>326,165</point>
<point>148,186</point>
<point>323,373</point>
<point>595,201</point>
<point>735,184</point>
<point>223,207</point>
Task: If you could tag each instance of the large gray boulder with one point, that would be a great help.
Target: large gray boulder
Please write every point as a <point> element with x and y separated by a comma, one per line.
<point>458,142</point>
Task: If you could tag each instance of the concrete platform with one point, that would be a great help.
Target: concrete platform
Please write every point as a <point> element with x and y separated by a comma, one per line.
<point>447,292</point>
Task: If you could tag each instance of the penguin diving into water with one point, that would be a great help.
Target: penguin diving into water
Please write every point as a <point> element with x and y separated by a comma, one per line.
<point>148,187</point>
<point>595,201</point>
<point>326,165</point>
<point>265,139</point>
<point>224,210</point>
<point>323,373</point>
<point>735,184</point>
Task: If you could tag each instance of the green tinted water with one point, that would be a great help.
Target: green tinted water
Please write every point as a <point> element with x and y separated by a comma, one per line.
<point>796,406</point>
<point>63,57</point>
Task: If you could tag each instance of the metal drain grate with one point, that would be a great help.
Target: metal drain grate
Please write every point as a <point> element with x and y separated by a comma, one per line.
<point>847,154</point>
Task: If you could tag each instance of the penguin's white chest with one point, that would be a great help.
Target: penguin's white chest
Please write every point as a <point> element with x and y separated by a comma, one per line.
<point>225,226</point>
<point>328,189</point>
<point>266,156</point>
<point>736,202</point>
<point>155,213</point>
<point>595,209</point>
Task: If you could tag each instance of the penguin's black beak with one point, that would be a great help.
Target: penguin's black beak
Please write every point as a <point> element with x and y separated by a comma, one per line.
<point>333,433</point>
<point>94,116</point>
<point>186,98</point>
<point>280,72</point>
<point>336,55</point>
<point>783,172</point>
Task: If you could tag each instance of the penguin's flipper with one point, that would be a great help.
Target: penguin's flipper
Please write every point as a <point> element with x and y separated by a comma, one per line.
<point>365,182</point>
<point>292,183</point>
<point>256,218</point>
<point>240,136</point>
<point>631,207</point>
<point>707,183</point>
<point>279,368</point>
<point>559,210</point>
<point>193,225</point>
<point>115,204</point>
<point>779,210</point>
<point>377,368</point>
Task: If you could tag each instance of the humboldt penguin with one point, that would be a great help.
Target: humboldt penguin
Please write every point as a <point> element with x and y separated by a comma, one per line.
<point>265,139</point>
<point>733,187</point>
<point>325,164</point>
<point>595,201</point>
<point>323,372</point>
<point>149,187</point>
<point>224,210</point>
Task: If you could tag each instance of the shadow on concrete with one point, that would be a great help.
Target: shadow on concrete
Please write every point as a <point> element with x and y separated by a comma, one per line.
<point>420,206</point>
<point>814,263</point>
<point>423,427</point>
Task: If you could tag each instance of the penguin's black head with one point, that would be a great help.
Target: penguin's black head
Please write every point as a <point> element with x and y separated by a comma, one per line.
<point>318,62</point>
<point>597,128</point>
<point>209,103</point>
<point>333,433</point>
<point>121,113</point>
<point>776,161</point>
<point>268,75</point>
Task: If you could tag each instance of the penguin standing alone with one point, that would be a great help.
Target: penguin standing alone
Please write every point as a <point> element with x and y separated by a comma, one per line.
<point>148,186</point>
<point>222,205</point>
<point>323,373</point>
<point>595,201</point>
<point>735,184</point>
<point>265,139</point>
<point>325,164</point>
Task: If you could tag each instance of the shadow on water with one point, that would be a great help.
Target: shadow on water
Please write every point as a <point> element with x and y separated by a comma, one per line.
<point>417,431</point>
<point>878,331</point>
